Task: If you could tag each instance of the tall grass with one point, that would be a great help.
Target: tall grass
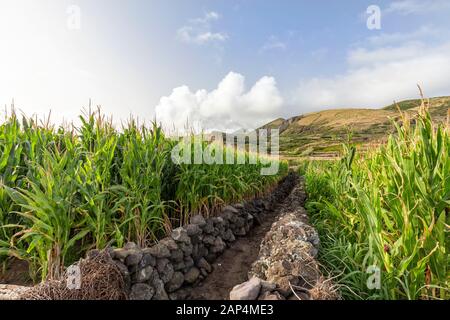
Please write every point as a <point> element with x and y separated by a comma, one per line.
<point>66,190</point>
<point>388,209</point>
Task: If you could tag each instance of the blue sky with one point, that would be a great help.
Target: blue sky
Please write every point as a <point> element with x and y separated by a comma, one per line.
<point>218,64</point>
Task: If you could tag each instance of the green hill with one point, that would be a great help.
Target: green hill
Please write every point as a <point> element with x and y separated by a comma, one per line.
<point>321,134</point>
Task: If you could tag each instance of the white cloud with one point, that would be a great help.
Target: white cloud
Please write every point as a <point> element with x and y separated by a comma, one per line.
<point>424,32</point>
<point>198,30</point>
<point>273,44</point>
<point>361,57</point>
<point>209,36</point>
<point>407,7</point>
<point>208,16</point>
<point>228,107</point>
<point>377,76</point>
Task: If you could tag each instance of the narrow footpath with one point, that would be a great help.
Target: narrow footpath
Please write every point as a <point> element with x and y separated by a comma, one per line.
<point>233,266</point>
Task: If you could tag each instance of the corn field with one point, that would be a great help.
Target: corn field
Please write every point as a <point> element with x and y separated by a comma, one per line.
<point>65,191</point>
<point>386,213</point>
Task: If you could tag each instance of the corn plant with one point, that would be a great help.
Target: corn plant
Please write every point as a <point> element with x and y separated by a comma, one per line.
<point>388,209</point>
<point>69,189</point>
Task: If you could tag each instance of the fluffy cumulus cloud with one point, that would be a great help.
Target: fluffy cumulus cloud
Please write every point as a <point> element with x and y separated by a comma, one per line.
<point>229,107</point>
<point>379,72</point>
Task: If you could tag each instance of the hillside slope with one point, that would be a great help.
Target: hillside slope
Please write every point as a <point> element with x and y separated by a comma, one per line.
<point>321,134</point>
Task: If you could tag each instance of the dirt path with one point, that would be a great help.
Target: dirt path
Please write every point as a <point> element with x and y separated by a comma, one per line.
<point>232,267</point>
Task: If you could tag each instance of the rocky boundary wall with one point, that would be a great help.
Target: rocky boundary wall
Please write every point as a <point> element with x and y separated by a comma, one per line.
<point>11,292</point>
<point>172,267</point>
<point>286,267</point>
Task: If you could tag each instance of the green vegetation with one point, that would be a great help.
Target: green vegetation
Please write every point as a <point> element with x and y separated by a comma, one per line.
<point>388,208</point>
<point>321,134</point>
<point>64,191</point>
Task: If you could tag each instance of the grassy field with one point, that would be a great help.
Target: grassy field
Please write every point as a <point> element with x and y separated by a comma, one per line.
<point>386,212</point>
<point>67,190</point>
<point>321,134</point>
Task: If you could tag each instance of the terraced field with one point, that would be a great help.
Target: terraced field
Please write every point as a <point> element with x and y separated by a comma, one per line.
<point>320,134</point>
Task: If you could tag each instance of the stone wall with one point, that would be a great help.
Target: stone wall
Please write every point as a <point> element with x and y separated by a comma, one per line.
<point>286,267</point>
<point>169,269</point>
<point>11,292</point>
